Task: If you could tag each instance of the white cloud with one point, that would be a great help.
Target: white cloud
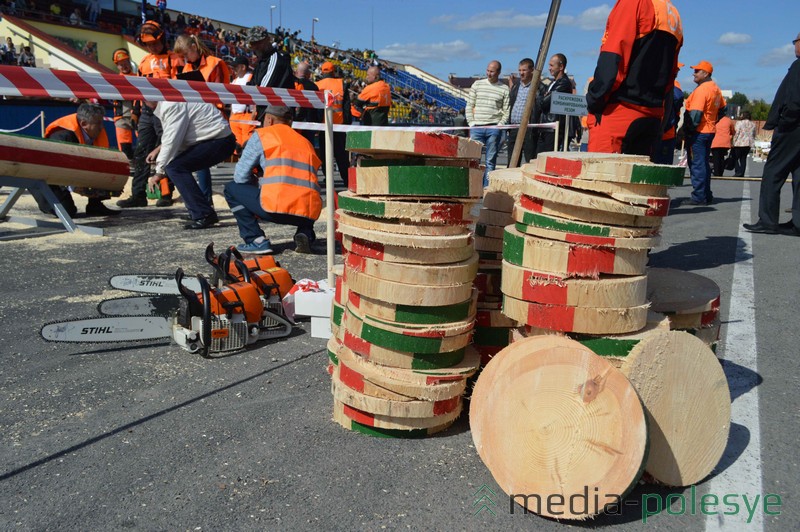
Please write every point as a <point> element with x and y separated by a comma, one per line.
<point>442,19</point>
<point>732,38</point>
<point>415,53</point>
<point>593,18</point>
<point>778,56</point>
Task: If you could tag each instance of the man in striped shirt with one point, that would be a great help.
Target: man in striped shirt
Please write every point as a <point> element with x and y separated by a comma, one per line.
<point>488,105</point>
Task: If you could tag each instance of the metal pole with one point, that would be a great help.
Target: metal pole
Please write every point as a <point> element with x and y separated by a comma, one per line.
<point>537,76</point>
<point>280,13</point>
<point>41,119</point>
<point>329,191</point>
<point>566,133</point>
<point>555,137</point>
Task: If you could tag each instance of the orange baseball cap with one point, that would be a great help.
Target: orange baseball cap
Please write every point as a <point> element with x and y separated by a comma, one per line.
<point>327,67</point>
<point>121,55</point>
<point>680,65</point>
<point>150,32</point>
<point>704,65</point>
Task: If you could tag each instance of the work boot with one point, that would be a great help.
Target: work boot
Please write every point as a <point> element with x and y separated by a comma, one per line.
<point>133,201</point>
<point>164,201</point>
<point>95,207</point>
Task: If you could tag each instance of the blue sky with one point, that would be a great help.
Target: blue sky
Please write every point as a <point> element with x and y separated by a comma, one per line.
<point>748,42</point>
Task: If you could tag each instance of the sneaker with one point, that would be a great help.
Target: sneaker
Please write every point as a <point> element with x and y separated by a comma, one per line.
<point>164,201</point>
<point>262,248</point>
<point>133,201</point>
<point>301,243</point>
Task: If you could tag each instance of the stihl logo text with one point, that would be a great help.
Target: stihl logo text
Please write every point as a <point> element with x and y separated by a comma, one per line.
<point>96,330</point>
<point>151,283</point>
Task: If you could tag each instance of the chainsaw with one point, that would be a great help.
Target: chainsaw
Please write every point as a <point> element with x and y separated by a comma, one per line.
<point>241,306</point>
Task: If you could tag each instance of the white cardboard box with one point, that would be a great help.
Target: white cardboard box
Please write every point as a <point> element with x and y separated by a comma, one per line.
<point>314,303</point>
<point>320,327</point>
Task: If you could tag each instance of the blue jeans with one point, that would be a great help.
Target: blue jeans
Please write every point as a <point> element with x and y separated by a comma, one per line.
<point>491,138</point>
<point>244,199</point>
<point>197,157</point>
<point>700,167</point>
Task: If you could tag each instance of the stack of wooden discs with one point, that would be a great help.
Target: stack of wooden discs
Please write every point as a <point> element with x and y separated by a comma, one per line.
<point>575,259</point>
<point>401,352</point>
<point>493,329</point>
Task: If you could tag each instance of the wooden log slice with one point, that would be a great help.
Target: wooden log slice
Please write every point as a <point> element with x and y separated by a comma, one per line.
<point>63,163</point>
<point>676,291</point>
<point>418,274</point>
<point>496,218</point>
<point>432,339</point>
<point>609,167</point>
<point>337,311</point>
<point>406,294</point>
<point>539,188</point>
<point>387,407</point>
<point>493,318</point>
<point>598,241</point>
<point>569,259</point>
<point>586,320</point>
<point>605,292</point>
<point>506,180</point>
<point>616,189</point>
<point>488,231</point>
<point>529,217</point>
<point>437,391</point>
<point>549,417</point>
<point>408,209</point>
<point>413,143</point>
<point>353,380</point>
<point>696,320</point>
<point>492,245</point>
<point>400,359</point>
<point>421,181</point>
<point>405,254</point>
<point>688,405</point>
<point>341,291</point>
<point>591,216</point>
<point>401,227</point>
<point>375,425</point>
<point>414,241</point>
<point>499,201</point>
<point>413,315</point>
<point>420,376</point>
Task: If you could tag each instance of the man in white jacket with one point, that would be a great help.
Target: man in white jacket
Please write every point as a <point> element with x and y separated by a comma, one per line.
<point>196,136</point>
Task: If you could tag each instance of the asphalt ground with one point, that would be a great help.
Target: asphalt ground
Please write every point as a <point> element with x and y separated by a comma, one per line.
<point>148,437</point>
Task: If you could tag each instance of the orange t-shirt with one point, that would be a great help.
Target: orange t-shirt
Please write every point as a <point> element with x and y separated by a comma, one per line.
<point>708,99</point>
<point>724,133</point>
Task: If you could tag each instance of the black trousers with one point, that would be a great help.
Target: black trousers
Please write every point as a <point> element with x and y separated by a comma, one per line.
<point>783,159</point>
<point>340,154</point>
<point>148,140</point>
<point>718,160</point>
<point>528,145</point>
<point>739,154</point>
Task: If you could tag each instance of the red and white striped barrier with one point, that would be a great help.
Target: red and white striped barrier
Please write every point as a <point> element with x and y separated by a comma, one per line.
<point>46,83</point>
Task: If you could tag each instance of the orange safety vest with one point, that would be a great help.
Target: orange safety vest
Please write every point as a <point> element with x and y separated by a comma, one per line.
<point>289,185</point>
<point>213,69</point>
<point>70,123</point>
<point>377,94</point>
<point>336,86</point>
<point>161,65</point>
<point>706,98</point>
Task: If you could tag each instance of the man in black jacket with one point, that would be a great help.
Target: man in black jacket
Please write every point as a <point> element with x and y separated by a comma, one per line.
<point>518,97</point>
<point>784,155</point>
<point>561,83</point>
<point>274,68</point>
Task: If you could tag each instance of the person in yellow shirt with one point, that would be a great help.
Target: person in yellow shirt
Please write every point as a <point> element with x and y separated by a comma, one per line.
<point>704,107</point>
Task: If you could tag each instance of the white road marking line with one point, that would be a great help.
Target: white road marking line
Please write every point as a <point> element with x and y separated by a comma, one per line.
<point>744,475</point>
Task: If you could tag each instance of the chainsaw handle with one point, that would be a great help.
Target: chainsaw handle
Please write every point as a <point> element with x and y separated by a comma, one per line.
<point>243,270</point>
<point>220,264</point>
<point>235,252</point>
<point>205,333</point>
<point>194,308</point>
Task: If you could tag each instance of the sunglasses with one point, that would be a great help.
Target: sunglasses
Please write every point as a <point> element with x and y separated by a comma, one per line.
<point>795,41</point>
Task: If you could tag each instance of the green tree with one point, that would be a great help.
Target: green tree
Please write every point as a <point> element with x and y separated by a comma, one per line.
<point>739,99</point>
<point>759,109</point>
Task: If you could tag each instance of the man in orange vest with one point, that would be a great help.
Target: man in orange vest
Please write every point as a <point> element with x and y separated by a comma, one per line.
<point>341,115</point>
<point>634,74</point>
<point>126,112</point>
<point>375,100</point>
<point>704,106</point>
<point>160,62</point>
<point>83,127</point>
<point>288,193</point>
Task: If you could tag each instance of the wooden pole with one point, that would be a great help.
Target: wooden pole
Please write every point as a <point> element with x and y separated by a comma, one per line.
<point>329,191</point>
<point>537,76</point>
